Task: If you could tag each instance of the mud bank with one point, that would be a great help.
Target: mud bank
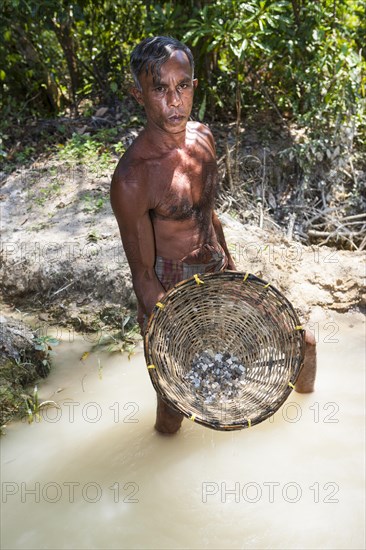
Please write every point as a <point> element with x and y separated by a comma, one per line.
<point>61,251</point>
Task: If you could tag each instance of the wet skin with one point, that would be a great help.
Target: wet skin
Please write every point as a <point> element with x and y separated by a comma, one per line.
<point>163,190</point>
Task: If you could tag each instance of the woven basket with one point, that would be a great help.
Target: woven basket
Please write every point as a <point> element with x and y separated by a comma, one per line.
<point>226,311</point>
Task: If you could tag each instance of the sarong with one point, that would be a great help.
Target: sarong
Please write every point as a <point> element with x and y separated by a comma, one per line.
<point>208,258</point>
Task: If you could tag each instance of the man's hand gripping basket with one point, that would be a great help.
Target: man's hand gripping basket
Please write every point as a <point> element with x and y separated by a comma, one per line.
<point>230,314</point>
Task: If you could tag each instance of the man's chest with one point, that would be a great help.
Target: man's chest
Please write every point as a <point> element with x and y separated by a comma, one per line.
<point>184,188</point>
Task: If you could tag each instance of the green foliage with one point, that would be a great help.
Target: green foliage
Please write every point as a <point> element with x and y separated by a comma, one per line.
<point>44,194</point>
<point>303,59</point>
<point>55,52</point>
<point>44,344</point>
<point>86,149</point>
<point>302,52</point>
<point>93,204</point>
<point>80,147</point>
<point>34,406</point>
<point>306,60</point>
<point>17,374</point>
<point>94,151</point>
<point>123,341</point>
<point>25,155</point>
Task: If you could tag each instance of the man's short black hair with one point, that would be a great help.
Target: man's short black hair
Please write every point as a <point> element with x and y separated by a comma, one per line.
<point>151,53</point>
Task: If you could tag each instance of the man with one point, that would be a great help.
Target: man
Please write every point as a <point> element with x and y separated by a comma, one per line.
<point>163,189</point>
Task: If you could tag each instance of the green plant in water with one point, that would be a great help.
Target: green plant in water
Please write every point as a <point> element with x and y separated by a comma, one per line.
<point>123,341</point>
<point>34,406</point>
<point>44,344</point>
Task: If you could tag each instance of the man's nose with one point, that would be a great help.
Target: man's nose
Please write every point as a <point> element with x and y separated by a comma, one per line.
<point>174,98</point>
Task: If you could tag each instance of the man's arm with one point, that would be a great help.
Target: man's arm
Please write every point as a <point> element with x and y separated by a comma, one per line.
<point>221,238</point>
<point>130,204</point>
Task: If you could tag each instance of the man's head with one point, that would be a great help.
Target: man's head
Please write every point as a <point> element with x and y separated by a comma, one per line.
<point>151,53</point>
<point>163,73</point>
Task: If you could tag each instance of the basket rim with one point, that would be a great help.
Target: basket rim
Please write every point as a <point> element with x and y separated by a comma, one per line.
<point>202,279</point>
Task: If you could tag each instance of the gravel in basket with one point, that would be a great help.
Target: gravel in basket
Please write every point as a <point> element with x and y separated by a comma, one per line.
<point>225,349</point>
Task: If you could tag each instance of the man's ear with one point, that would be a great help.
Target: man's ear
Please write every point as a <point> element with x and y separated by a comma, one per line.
<point>137,94</point>
<point>195,83</point>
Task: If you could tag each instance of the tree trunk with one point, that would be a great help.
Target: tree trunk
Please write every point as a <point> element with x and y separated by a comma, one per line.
<point>33,59</point>
<point>66,40</point>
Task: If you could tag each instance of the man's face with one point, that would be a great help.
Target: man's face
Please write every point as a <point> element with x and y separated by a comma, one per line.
<point>167,99</point>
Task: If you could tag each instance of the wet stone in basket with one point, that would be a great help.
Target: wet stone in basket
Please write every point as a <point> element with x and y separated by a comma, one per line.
<point>217,377</point>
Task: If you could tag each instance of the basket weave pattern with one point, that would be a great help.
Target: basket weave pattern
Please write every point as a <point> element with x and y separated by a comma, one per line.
<point>227,311</point>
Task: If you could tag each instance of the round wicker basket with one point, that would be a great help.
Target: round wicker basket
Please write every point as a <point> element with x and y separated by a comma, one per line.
<point>227,312</point>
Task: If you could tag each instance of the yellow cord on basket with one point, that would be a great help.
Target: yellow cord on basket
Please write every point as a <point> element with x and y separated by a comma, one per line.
<point>198,280</point>
<point>151,366</point>
<point>291,385</point>
<point>159,304</point>
<point>249,423</point>
<point>298,327</point>
<point>245,277</point>
<point>193,417</point>
<point>267,285</point>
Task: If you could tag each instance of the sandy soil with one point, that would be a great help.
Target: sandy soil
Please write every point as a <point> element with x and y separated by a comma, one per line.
<point>61,250</point>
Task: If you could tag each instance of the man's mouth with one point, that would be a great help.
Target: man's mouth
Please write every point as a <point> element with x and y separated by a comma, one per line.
<point>176,118</point>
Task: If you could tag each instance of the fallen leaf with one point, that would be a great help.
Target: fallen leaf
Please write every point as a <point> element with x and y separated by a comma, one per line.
<point>101,112</point>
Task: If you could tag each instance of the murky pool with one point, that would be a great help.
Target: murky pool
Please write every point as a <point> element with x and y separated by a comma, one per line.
<point>94,473</point>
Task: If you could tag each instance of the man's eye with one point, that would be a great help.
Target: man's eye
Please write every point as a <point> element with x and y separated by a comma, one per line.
<point>182,87</point>
<point>159,89</point>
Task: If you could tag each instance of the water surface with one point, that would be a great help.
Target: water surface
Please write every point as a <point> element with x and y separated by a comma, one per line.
<point>95,474</point>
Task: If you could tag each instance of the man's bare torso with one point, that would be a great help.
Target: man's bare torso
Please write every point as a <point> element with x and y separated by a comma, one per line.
<point>180,184</point>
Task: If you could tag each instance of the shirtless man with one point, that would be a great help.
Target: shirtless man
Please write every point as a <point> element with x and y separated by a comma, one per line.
<point>163,189</point>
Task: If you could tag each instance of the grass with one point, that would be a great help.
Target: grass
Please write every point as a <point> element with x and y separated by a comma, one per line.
<point>96,149</point>
<point>123,341</point>
<point>34,406</point>
<point>46,193</point>
<point>16,376</point>
<point>123,332</point>
<point>93,150</point>
<point>93,204</point>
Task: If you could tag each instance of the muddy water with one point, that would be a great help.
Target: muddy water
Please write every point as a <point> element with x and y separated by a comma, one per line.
<point>94,474</point>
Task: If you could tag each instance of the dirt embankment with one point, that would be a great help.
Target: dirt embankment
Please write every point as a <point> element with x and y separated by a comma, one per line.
<point>24,358</point>
<point>308,275</point>
<point>61,251</point>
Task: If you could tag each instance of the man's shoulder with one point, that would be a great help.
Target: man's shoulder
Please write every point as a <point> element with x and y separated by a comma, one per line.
<point>128,186</point>
<point>129,165</point>
<point>199,128</point>
<point>200,132</point>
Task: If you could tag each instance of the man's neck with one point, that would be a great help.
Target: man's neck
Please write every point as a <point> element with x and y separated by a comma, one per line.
<point>165,141</point>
